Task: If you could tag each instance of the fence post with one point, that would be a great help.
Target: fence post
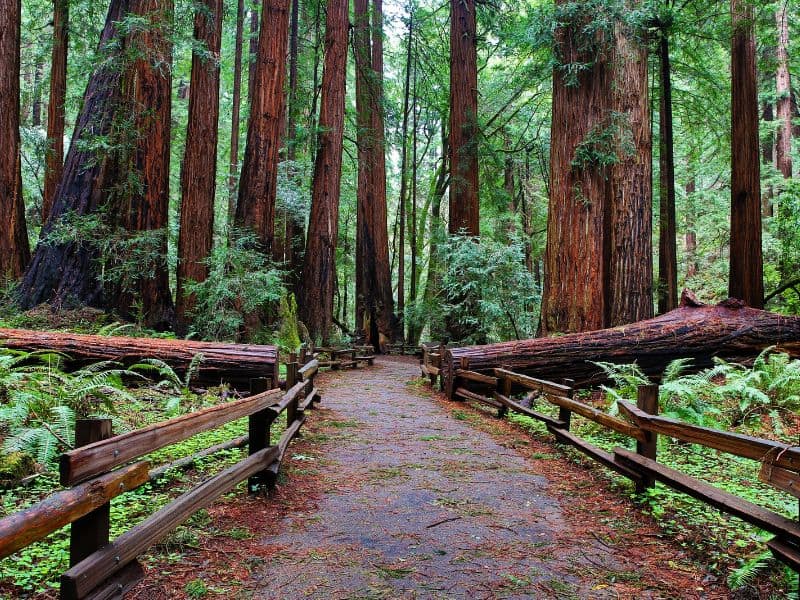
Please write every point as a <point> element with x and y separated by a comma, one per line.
<point>564,414</point>
<point>647,400</point>
<point>90,533</point>
<point>291,379</point>
<point>506,387</point>
<point>258,426</point>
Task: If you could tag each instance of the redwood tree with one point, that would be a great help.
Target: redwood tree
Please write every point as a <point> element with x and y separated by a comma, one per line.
<point>257,186</point>
<point>14,251</point>
<point>198,179</point>
<point>233,163</point>
<point>783,140</point>
<point>54,159</point>
<point>319,267</point>
<point>375,304</point>
<point>141,210</point>
<point>65,272</point>
<point>746,268</point>
<point>464,207</point>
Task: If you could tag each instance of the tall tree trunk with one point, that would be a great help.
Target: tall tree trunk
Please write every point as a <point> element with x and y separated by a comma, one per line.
<point>767,156</point>
<point>198,179</point>
<point>257,187</point>
<point>783,144</point>
<point>36,106</point>
<point>294,226</point>
<point>319,265</point>
<point>746,267</point>
<point>235,114</point>
<point>253,53</point>
<point>667,249</point>
<point>54,158</point>
<point>691,233</point>
<point>374,290</point>
<point>142,211</point>
<point>630,285</point>
<point>464,206</point>
<point>575,271</point>
<point>413,334</point>
<point>66,273</point>
<point>14,250</point>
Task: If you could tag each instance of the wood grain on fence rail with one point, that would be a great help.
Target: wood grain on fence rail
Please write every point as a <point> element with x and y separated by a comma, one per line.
<point>88,461</point>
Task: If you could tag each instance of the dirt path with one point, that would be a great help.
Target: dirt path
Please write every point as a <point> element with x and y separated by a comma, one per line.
<point>424,498</point>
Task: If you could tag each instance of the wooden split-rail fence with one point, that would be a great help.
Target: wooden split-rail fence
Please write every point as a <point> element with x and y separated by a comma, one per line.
<point>780,463</point>
<point>101,468</point>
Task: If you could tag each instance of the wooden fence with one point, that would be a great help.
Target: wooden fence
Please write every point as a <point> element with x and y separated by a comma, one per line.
<point>780,463</point>
<point>100,468</point>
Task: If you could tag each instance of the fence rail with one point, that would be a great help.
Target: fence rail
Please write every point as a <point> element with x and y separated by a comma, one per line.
<point>100,568</point>
<point>780,462</point>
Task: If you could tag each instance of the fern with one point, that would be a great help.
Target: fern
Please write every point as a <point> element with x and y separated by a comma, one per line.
<point>745,574</point>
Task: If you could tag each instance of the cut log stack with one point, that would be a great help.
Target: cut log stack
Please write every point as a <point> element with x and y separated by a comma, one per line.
<point>236,364</point>
<point>728,330</point>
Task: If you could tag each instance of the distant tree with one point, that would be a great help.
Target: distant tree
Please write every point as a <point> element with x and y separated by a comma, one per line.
<point>14,250</point>
<point>54,159</point>
<point>198,177</point>
<point>783,141</point>
<point>319,266</point>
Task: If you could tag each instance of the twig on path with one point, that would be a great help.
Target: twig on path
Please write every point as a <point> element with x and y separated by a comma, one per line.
<point>437,523</point>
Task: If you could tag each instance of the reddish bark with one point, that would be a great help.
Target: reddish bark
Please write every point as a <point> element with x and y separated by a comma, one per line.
<point>198,179</point>
<point>319,266</point>
<point>464,206</point>
<point>630,282</point>
<point>746,267</point>
<point>696,331</point>
<point>14,250</point>
<point>148,89</point>
<point>257,186</point>
<point>237,104</point>
<point>66,273</point>
<point>575,268</point>
<point>54,159</point>
<point>667,246</point>
<point>783,141</point>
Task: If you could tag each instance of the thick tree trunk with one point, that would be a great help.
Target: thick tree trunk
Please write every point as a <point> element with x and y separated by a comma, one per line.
<point>235,363</point>
<point>319,265</point>
<point>65,273</point>
<point>143,210</point>
<point>54,159</point>
<point>667,248</point>
<point>630,283</point>
<point>373,279</point>
<point>783,142</point>
<point>746,267</point>
<point>257,187</point>
<point>697,331</point>
<point>14,250</point>
<point>464,205</point>
<point>576,264</point>
<point>233,162</point>
<point>198,179</point>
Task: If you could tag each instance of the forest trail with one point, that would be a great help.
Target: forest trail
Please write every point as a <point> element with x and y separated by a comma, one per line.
<point>419,499</point>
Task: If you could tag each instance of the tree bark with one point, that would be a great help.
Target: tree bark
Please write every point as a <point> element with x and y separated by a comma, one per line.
<point>697,331</point>
<point>667,248</point>
<point>575,272</point>
<point>294,226</point>
<point>746,267</point>
<point>767,156</point>
<point>691,233</point>
<point>783,142</point>
<point>198,179</point>
<point>464,204</point>
<point>630,284</point>
<point>65,273</point>
<point>236,363</point>
<point>319,265</point>
<point>253,53</point>
<point>14,250</point>
<point>54,158</point>
<point>402,200</point>
<point>144,208</point>
<point>257,186</point>
<point>235,114</point>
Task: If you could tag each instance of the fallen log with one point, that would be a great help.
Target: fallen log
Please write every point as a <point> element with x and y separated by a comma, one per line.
<point>694,330</point>
<point>230,363</point>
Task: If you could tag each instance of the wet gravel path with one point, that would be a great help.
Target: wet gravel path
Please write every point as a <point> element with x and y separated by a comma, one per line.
<point>417,502</point>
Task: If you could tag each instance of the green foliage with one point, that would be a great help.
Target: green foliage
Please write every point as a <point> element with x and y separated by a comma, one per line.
<point>288,337</point>
<point>196,588</point>
<point>605,145</point>
<point>240,281</point>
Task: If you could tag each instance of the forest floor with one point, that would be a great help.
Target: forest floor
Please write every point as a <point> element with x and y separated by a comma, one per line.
<point>395,492</point>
